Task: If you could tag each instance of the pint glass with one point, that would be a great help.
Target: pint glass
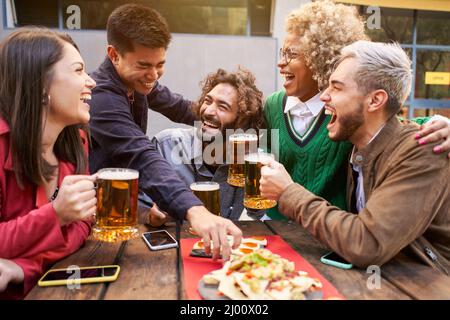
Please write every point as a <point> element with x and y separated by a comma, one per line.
<point>117,194</point>
<point>241,144</point>
<point>209,193</point>
<point>252,195</point>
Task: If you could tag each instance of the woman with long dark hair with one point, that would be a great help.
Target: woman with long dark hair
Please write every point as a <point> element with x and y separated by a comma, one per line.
<point>47,197</point>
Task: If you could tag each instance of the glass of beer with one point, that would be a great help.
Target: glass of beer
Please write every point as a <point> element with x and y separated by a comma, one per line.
<point>209,193</point>
<point>252,195</point>
<point>241,144</point>
<point>116,218</point>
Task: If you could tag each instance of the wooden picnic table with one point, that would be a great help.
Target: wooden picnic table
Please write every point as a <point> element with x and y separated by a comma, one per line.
<point>153,275</point>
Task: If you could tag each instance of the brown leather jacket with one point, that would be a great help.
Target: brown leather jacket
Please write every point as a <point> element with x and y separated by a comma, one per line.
<point>407,192</point>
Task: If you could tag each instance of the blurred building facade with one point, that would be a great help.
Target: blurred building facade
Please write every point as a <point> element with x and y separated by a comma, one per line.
<point>423,30</point>
<point>208,34</point>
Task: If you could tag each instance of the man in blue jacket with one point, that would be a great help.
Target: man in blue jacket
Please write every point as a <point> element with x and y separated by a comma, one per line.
<point>127,86</point>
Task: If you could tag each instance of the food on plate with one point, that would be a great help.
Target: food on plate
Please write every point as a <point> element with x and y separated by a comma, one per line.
<point>248,245</point>
<point>256,240</point>
<point>262,275</point>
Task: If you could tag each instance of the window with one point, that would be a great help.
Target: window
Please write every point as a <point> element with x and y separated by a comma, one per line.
<point>431,50</point>
<point>396,25</point>
<point>227,17</point>
<point>224,17</point>
<point>431,61</point>
<point>433,27</point>
<point>29,12</point>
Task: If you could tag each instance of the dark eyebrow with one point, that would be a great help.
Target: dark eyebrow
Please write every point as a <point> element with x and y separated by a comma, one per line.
<point>220,101</point>
<point>143,64</point>
<point>146,64</point>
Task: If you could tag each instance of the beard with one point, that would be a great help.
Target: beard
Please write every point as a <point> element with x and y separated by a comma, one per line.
<point>217,135</point>
<point>348,124</point>
<point>214,144</point>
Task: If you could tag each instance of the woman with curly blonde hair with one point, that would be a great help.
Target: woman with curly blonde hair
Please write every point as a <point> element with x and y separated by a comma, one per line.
<point>320,30</point>
<point>316,32</point>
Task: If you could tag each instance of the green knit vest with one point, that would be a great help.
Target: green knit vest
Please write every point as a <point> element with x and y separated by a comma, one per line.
<point>312,160</point>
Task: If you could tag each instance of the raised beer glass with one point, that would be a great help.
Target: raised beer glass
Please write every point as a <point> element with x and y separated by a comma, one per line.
<point>117,198</point>
<point>252,195</point>
<point>241,144</point>
<point>209,193</point>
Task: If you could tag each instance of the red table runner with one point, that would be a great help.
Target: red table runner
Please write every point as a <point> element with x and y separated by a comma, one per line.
<point>195,267</point>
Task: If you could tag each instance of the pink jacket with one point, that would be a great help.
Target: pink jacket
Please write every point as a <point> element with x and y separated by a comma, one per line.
<point>30,234</point>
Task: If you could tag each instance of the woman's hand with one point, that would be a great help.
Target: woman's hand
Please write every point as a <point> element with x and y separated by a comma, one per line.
<point>76,199</point>
<point>434,131</point>
<point>10,272</point>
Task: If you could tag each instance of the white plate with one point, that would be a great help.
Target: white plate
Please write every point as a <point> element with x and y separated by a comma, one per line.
<point>210,292</point>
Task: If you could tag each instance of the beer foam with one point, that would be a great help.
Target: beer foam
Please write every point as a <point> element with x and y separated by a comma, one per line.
<point>118,175</point>
<point>204,187</point>
<point>259,157</point>
<point>243,137</point>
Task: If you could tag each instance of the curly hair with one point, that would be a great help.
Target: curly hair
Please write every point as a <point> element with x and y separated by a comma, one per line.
<point>324,28</point>
<point>250,98</point>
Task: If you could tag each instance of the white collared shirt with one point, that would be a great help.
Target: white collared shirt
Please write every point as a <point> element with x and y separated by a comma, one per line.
<point>303,113</point>
<point>359,195</point>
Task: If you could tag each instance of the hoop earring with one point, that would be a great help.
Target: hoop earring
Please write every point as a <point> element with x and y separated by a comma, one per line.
<point>46,99</point>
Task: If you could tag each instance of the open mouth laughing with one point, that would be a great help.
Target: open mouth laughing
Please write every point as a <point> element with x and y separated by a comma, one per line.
<point>85,97</point>
<point>332,112</point>
<point>211,125</point>
<point>288,77</point>
<point>147,84</point>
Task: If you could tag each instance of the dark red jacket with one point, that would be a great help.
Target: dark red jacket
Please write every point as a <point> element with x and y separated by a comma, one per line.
<point>30,233</point>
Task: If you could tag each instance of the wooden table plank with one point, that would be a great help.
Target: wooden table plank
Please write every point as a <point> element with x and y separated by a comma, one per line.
<point>249,228</point>
<point>149,274</point>
<point>146,274</point>
<point>94,253</point>
<point>351,283</point>
<point>417,280</point>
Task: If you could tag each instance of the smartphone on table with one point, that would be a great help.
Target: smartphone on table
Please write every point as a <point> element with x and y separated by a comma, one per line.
<point>159,240</point>
<point>335,260</point>
<point>68,276</point>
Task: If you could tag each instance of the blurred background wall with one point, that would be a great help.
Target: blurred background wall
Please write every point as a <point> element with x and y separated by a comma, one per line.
<point>211,34</point>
